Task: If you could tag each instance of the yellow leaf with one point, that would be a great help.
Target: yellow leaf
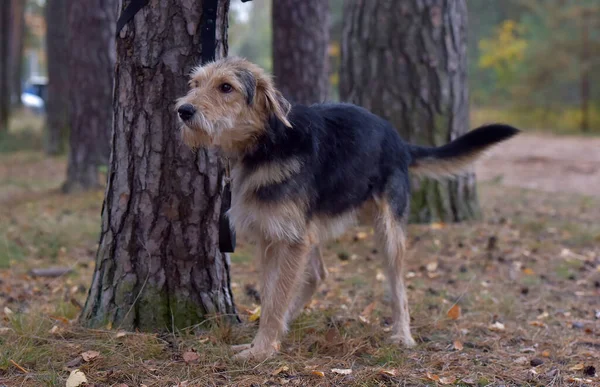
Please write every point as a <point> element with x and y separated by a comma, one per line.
<point>577,367</point>
<point>437,226</point>
<point>360,236</point>
<point>546,353</point>
<point>432,266</point>
<point>528,271</point>
<point>537,324</point>
<point>280,370</point>
<point>76,379</point>
<point>255,314</point>
<point>318,373</point>
<point>454,312</point>
<point>458,345</point>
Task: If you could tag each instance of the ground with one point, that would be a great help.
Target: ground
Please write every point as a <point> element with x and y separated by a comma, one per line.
<point>511,300</point>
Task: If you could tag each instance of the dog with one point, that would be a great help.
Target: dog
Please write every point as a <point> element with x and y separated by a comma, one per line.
<point>300,174</point>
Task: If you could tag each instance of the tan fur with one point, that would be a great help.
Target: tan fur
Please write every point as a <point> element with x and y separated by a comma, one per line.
<point>226,120</point>
<point>442,168</point>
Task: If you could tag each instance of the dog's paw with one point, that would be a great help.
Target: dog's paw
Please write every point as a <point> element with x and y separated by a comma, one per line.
<point>240,347</point>
<point>254,354</point>
<point>406,341</point>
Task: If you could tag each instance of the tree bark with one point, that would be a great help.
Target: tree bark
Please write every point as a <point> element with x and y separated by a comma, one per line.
<point>5,17</point>
<point>300,42</point>
<point>158,265</point>
<point>92,26</point>
<point>57,105</point>
<point>16,50</point>
<point>407,62</point>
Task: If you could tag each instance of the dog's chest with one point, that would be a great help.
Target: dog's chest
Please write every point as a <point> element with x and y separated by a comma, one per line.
<point>254,216</point>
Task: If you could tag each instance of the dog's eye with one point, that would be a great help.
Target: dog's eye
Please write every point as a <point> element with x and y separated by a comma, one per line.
<point>226,88</point>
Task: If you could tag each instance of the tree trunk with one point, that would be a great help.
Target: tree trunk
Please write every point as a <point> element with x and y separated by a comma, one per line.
<point>158,265</point>
<point>92,26</point>
<point>300,42</point>
<point>407,62</point>
<point>57,105</point>
<point>5,17</point>
<point>16,50</point>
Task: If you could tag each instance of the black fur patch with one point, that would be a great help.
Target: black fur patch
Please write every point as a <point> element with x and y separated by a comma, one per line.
<point>249,83</point>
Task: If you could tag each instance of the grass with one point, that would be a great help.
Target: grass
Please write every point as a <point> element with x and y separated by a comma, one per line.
<point>539,279</point>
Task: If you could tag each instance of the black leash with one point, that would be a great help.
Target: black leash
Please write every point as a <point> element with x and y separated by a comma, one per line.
<point>129,12</point>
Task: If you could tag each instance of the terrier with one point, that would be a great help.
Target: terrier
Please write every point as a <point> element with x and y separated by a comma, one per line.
<point>300,174</point>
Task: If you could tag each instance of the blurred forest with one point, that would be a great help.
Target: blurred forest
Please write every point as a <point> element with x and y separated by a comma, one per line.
<point>531,62</point>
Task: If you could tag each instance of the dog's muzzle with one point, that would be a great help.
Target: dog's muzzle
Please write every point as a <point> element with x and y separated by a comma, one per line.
<point>186,112</point>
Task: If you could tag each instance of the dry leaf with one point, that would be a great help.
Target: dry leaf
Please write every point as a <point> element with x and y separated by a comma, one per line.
<point>546,353</point>
<point>458,345</point>
<point>255,314</point>
<point>454,312</point>
<point>61,319</point>
<point>577,367</point>
<point>7,311</point>
<point>120,334</point>
<point>318,373</point>
<point>537,324</point>
<point>280,370</point>
<point>432,266</point>
<point>88,356</point>
<point>360,236</point>
<point>433,377</point>
<point>497,327</point>
<point>189,356</point>
<point>341,371</point>
<point>54,330</point>
<point>389,372</point>
<point>528,271</point>
<point>380,276</point>
<point>76,379</point>
<point>437,226</point>
<point>368,310</point>
<point>447,380</point>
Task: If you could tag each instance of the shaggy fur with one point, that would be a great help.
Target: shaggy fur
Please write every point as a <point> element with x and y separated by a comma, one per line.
<point>301,173</point>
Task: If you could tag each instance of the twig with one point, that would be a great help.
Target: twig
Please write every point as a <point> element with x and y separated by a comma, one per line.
<point>23,370</point>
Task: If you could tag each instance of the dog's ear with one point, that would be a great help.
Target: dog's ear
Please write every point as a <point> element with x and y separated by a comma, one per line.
<point>276,104</point>
<point>248,82</point>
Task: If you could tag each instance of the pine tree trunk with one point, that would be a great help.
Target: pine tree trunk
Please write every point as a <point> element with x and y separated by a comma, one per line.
<point>16,49</point>
<point>407,62</point>
<point>92,26</point>
<point>158,265</point>
<point>57,105</point>
<point>300,42</point>
<point>5,17</point>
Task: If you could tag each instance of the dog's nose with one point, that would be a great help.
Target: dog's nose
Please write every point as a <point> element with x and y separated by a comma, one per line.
<point>186,111</point>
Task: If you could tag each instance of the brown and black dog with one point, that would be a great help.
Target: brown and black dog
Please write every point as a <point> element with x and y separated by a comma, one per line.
<point>300,175</point>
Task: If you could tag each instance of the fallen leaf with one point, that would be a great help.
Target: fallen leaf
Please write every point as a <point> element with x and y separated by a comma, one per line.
<point>546,353</point>
<point>360,236</point>
<point>190,356</point>
<point>368,310</point>
<point>380,276</point>
<point>8,311</point>
<point>447,380</point>
<point>120,334</point>
<point>528,271</point>
<point>318,373</point>
<point>433,377</point>
<point>341,371</point>
<point>577,367</point>
<point>76,378</point>
<point>255,314</point>
<point>454,312</point>
<point>389,372</point>
<point>432,266</point>
<point>458,345</point>
<point>437,226</point>
<point>280,370</point>
<point>537,324</point>
<point>88,356</point>
<point>497,327</point>
<point>61,319</point>
<point>54,330</point>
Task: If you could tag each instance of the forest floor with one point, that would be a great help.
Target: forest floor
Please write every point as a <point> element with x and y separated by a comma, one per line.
<point>511,300</point>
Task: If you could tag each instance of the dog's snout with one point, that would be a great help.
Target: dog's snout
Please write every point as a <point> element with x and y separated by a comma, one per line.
<point>186,111</point>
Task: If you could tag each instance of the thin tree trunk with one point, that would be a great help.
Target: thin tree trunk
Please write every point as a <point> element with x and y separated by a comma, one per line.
<point>92,26</point>
<point>16,49</point>
<point>300,42</point>
<point>158,265</point>
<point>407,62</point>
<point>5,17</point>
<point>57,105</point>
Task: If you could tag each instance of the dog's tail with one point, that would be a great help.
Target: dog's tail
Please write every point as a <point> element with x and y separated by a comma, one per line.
<point>452,158</point>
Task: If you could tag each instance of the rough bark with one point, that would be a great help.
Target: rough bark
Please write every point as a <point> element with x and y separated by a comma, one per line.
<point>158,265</point>
<point>92,26</point>
<point>5,16</point>
<point>57,105</point>
<point>300,41</point>
<point>407,62</point>
<point>16,50</point>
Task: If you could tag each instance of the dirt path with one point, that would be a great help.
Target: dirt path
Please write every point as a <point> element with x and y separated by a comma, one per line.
<point>545,162</point>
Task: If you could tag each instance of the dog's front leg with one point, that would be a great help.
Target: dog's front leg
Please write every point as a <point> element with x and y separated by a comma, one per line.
<point>283,265</point>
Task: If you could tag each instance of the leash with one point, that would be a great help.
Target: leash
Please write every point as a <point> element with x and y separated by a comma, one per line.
<point>209,46</point>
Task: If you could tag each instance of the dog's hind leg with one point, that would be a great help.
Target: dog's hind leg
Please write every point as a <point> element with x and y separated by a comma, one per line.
<point>314,274</point>
<point>390,226</point>
<point>283,265</point>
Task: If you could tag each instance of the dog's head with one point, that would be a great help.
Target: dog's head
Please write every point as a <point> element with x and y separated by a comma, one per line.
<point>228,105</point>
